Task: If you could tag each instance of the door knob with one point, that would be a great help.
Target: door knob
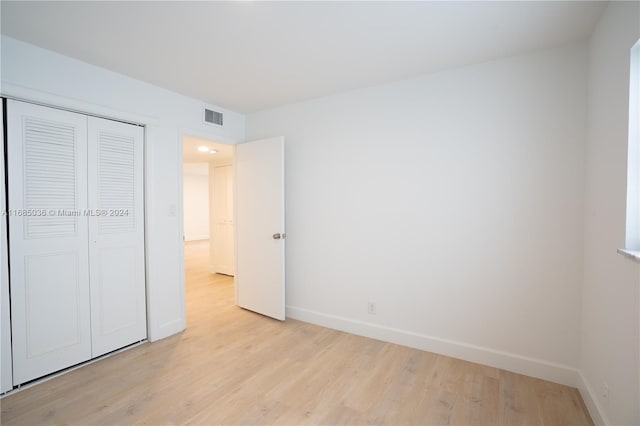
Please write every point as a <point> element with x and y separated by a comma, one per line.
<point>277,236</point>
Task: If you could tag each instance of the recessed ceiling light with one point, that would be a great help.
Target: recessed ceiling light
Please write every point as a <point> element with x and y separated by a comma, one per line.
<point>203,149</point>
<point>213,151</point>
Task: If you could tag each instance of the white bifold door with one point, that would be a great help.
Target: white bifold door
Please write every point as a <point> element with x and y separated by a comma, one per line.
<point>76,237</point>
<point>116,235</point>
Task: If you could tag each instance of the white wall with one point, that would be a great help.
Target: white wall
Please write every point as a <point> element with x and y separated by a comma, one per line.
<point>610,350</point>
<point>40,75</point>
<point>195,182</point>
<point>454,201</point>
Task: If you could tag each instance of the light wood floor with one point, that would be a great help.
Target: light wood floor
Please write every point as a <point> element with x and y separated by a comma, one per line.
<point>235,367</point>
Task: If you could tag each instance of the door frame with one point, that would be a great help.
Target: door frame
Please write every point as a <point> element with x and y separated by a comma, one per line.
<point>6,374</point>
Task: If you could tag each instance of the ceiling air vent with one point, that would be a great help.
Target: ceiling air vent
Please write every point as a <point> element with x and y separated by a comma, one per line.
<point>212,117</point>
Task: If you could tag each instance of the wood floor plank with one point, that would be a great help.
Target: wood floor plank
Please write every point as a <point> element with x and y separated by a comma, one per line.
<point>233,366</point>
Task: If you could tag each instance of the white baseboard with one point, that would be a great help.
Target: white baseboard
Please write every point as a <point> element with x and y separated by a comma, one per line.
<point>507,361</point>
<point>590,399</point>
<point>196,237</point>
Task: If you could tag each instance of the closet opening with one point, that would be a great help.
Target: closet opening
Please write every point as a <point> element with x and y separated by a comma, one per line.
<point>76,287</point>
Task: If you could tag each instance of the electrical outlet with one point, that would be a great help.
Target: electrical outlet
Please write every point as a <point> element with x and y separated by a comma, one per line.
<point>605,391</point>
<point>371,308</point>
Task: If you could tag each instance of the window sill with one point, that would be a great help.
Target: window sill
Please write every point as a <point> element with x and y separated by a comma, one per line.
<point>631,254</point>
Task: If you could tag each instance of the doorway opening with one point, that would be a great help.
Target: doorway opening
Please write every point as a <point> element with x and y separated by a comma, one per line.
<point>208,224</point>
<point>253,184</point>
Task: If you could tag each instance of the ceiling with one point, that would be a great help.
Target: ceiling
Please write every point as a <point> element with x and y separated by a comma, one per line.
<point>190,153</point>
<point>247,56</point>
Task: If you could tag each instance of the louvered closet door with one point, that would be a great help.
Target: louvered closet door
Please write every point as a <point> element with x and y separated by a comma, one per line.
<point>116,235</point>
<point>47,185</point>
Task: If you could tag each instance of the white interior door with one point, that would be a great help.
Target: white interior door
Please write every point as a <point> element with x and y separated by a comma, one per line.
<point>47,173</point>
<point>260,278</point>
<point>222,249</point>
<point>6,375</point>
<point>116,235</point>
